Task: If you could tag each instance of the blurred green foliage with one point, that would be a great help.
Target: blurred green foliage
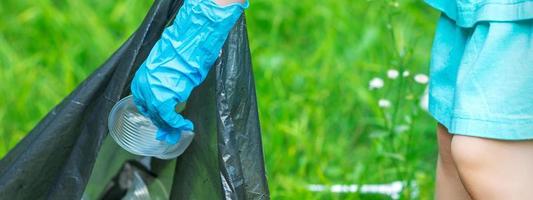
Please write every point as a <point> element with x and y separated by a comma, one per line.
<point>313,61</point>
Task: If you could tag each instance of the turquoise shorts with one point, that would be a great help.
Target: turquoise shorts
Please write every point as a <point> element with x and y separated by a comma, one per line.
<point>481,79</point>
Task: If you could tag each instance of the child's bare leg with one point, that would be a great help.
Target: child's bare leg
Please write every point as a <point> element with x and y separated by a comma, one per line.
<point>449,185</point>
<point>494,169</point>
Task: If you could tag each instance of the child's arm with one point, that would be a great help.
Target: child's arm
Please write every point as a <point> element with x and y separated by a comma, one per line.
<point>180,61</point>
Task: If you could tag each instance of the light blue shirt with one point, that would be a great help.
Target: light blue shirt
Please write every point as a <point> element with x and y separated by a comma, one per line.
<point>466,13</point>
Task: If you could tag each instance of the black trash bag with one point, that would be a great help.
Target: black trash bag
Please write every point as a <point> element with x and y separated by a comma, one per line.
<point>236,131</point>
<point>225,161</point>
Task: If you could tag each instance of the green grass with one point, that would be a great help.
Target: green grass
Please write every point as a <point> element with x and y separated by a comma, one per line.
<point>312,60</point>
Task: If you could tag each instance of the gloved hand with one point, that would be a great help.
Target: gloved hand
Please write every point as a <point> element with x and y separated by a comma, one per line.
<point>180,61</point>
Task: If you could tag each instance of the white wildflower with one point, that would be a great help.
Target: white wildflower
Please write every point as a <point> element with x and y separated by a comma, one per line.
<point>421,78</point>
<point>384,103</point>
<point>401,128</point>
<point>424,100</point>
<point>396,4</point>
<point>393,74</point>
<point>376,83</point>
<point>406,73</point>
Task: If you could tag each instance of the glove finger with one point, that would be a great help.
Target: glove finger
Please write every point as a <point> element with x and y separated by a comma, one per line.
<point>173,137</point>
<point>161,135</point>
<point>141,107</point>
<point>170,136</point>
<point>138,98</point>
<point>173,119</point>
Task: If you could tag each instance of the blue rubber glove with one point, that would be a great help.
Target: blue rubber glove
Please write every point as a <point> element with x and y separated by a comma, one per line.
<point>180,61</point>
